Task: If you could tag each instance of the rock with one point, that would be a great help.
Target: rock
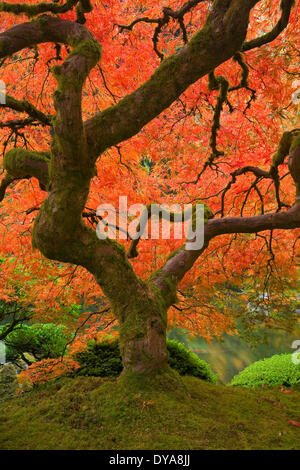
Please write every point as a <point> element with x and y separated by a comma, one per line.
<point>8,382</point>
<point>20,365</point>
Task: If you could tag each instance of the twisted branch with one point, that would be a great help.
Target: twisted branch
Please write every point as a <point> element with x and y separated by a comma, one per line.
<point>286,7</point>
<point>34,10</point>
<point>168,13</point>
<point>25,107</point>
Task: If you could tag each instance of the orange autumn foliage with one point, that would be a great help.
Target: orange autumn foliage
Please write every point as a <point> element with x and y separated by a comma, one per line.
<point>177,144</point>
<point>40,372</point>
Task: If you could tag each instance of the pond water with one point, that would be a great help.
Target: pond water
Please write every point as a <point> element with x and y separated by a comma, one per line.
<point>233,354</point>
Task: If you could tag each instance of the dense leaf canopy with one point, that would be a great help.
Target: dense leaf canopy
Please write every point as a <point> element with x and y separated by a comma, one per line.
<point>207,129</point>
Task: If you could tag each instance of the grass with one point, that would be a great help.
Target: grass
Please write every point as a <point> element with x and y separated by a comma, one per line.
<point>96,413</point>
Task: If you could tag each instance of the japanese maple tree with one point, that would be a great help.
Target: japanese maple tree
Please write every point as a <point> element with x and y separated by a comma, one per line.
<point>164,102</point>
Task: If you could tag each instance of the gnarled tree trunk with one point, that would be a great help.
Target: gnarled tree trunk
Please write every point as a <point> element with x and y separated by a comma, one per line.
<point>143,339</point>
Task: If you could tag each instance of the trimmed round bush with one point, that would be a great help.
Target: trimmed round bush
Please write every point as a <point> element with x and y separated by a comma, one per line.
<point>275,370</point>
<point>100,359</point>
<point>103,359</point>
<point>185,362</point>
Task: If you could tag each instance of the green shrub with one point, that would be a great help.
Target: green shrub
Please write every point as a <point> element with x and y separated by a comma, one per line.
<point>275,370</point>
<point>186,362</point>
<point>38,340</point>
<point>103,359</point>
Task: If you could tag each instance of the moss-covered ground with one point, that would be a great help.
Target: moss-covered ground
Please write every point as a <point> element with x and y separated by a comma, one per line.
<point>96,413</point>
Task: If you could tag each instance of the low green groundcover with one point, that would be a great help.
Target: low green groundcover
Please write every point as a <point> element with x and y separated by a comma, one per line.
<point>276,370</point>
<point>103,359</point>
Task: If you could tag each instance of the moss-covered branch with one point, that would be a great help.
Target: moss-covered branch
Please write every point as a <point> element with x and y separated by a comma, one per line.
<point>278,159</point>
<point>34,10</point>
<point>45,28</point>
<point>6,181</point>
<point>245,72</point>
<point>221,84</point>
<point>26,107</point>
<point>20,163</point>
<point>294,164</point>
<point>84,6</point>
<point>162,214</point>
<point>286,7</point>
<point>217,83</point>
<point>24,164</point>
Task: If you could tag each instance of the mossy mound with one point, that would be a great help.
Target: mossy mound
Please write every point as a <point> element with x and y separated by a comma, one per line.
<point>103,359</point>
<point>105,414</point>
<point>276,370</point>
